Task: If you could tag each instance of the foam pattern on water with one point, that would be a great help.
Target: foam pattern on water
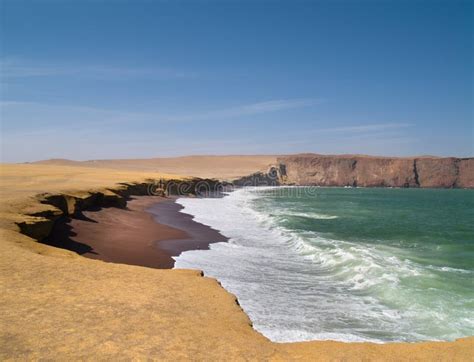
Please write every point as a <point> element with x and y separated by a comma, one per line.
<point>298,285</point>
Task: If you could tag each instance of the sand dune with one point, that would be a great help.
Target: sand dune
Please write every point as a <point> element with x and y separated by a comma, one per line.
<point>222,167</point>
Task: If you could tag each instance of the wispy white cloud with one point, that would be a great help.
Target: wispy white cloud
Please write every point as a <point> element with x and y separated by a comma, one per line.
<point>58,130</point>
<point>11,68</point>
<point>250,109</point>
<point>365,128</point>
<point>372,138</point>
<point>21,116</point>
<point>303,133</point>
<point>297,131</point>
<point>18,114</point>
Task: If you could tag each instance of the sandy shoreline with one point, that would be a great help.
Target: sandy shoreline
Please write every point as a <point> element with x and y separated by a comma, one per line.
<point>56,304</point>
<point>197,236</point>
<point>149,232</point>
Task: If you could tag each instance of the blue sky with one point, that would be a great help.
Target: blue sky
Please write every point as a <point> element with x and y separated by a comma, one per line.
<point>122,79</point>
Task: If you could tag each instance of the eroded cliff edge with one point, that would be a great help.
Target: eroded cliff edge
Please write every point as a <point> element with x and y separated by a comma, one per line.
<point>367,171</point>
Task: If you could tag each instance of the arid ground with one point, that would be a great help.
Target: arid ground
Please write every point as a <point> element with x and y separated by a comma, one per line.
<point>56,304</point>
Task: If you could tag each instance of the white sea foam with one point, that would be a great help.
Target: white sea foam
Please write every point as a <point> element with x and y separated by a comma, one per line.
<point>299,286</point>
<point>311,215</point>
<point>450,270</point>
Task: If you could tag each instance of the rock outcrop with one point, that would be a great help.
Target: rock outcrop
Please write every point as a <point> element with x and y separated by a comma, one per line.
<point>275,175</point>
<point>366,171</point>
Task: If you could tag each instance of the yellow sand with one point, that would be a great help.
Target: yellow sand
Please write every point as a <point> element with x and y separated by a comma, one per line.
<point>221,167</point>
<point>55,304</point>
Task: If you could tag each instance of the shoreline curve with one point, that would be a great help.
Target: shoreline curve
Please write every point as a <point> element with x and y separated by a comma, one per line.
<point>56,304</point>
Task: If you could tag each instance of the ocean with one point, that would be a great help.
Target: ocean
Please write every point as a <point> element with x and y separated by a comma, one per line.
<point>345,264</point>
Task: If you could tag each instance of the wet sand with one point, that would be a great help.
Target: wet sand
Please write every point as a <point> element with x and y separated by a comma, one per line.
<point>197,236</point>
<point>149,232</point>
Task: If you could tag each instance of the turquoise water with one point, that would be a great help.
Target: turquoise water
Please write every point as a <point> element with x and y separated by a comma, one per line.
<point>346,264</point>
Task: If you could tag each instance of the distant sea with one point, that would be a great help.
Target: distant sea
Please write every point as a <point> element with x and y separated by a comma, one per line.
<point>346,264</point>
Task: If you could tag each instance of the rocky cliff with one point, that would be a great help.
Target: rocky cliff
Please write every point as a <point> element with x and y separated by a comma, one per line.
<point>366,171</point>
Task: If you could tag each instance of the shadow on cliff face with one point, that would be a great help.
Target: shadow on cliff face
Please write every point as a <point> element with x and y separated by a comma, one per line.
<point>61,236</point>
<point>274,176</point>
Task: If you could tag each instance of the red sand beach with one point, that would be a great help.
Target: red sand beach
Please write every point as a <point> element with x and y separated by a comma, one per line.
<point>149,232</point>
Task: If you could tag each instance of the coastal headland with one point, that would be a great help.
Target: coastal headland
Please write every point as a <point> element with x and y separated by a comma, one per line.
<point>306,169</point>
<point>57,304</point>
